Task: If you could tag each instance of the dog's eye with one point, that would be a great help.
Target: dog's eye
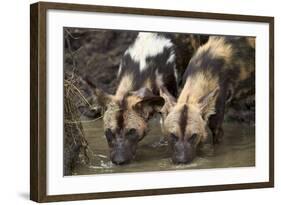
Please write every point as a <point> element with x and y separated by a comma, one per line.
<point>132,134</point>
<point>132,131</point>
<point>193,138</point>
<point>109,135</point>
<point>173,137</point>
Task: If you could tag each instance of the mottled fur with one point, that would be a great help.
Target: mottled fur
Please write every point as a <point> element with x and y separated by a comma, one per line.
<point>213,77</point>
<point>149,58</point>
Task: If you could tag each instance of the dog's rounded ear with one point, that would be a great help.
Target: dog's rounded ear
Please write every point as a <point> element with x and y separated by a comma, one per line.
<point>208,102</point>
<point>102,97</point>
<point>170,100</point>
<point>145,102</point>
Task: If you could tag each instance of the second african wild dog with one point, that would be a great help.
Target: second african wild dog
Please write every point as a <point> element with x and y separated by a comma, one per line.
<point>137,96</point>
<point>220,70</point>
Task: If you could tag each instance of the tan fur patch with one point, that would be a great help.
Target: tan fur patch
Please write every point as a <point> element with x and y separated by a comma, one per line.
<point>217,47</point>
<point>125,85</point>
<point>197,86</point>
<point>132,100</point>
<point>148,84</point>
<point>133,120</point>
<point>244,74</point>
<point>252,41</point>
<point>172,122</point>
<point>109,117</point>
<point>245,69</point>
<point>195,124</point>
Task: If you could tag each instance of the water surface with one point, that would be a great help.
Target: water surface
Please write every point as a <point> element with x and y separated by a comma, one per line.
<point>236,150</point>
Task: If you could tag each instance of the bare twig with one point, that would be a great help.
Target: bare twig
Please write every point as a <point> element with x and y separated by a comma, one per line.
<point>79,92</point>
<point>69,33</point>
<point>82,121</point>
<point>74,64</point>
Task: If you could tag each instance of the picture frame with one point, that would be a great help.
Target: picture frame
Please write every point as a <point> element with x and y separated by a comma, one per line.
<point>39,92</point>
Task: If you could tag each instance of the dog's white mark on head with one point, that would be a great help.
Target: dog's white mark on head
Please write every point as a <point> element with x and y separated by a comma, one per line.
<point>147,45</point>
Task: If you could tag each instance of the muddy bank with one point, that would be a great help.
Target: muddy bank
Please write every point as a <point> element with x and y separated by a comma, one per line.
<point>75,152</point>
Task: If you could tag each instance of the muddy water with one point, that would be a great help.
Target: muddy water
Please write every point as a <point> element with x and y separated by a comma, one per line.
<point>236,150</point>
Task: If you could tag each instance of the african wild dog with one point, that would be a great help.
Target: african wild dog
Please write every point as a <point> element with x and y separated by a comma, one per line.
<point>137,96</point>
<point>220,70</point>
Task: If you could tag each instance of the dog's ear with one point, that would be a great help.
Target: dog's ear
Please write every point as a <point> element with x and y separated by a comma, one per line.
<point>145,102</point>
<point>208,102</point>
<point>102,97</point>
<point>170,100</point>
